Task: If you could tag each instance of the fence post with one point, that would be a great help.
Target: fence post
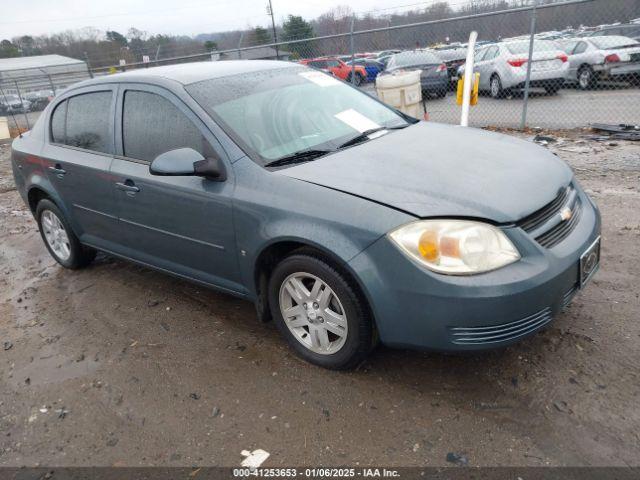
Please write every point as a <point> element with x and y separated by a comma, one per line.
<point>523,120</point>
<point>240,45</point>
<point>353,52</point>
<point>24,110</point>
<point>86,60</point>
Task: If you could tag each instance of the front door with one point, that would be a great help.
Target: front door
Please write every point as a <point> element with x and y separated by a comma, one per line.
<point>77,156</point>
<point>182,224</point>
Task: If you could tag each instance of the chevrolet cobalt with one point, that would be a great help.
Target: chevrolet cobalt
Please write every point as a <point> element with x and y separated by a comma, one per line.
<point>345,221</point>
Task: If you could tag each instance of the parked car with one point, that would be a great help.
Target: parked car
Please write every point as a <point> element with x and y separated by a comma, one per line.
<point>453,58</point>
<point>631,30</point>
<point>503,67</point>
<point>14,104</point>
<point>371,66</point>
<point>38,99</point>
<point>433,77</point>
<point>344,220</point>
<point>593,59</point>
<point>386,53</point>
<point>338,68</point>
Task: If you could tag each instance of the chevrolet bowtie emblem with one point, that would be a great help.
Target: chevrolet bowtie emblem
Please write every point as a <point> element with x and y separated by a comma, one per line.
<point>566,214</point>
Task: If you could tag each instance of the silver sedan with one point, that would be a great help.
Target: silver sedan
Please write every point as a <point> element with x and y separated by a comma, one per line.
<point>592,59</point>
<point>503,66</point>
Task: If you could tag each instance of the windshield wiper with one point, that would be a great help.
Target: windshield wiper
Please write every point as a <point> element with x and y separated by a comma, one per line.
<point>366,134</point>
<point>298,157</point>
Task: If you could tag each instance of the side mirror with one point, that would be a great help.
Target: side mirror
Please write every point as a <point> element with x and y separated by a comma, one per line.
<point>187,162</point>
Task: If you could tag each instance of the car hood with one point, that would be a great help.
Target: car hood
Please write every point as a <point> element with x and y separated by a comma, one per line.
<point>433,170</point>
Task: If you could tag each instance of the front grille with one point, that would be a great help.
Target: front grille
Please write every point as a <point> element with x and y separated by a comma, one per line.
<point>634,57</point>
<point>500,333</point>
<point>562,230</point>
<point>547,225</point>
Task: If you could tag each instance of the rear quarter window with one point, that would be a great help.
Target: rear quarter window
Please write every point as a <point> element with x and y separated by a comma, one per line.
<point>58,121</point>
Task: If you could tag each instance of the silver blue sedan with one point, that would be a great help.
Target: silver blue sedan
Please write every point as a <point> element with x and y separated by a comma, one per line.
<point>345,221</point>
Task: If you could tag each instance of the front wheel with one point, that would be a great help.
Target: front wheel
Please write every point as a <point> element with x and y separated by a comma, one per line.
<point>62,243</point>
<point>319,312</point>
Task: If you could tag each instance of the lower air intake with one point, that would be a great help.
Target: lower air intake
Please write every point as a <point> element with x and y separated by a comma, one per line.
<point>501,333</point>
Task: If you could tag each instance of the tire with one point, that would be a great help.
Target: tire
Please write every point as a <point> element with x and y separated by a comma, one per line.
<point>349,333</point>
<point>552,89</point>
<point>58,237</point>
<point>495,87</point>
<point>586,78</point>
<point>358,80</point>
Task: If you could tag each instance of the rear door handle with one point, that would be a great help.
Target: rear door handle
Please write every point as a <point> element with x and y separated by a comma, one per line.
<point>58,170</point>
<point>127,186</point>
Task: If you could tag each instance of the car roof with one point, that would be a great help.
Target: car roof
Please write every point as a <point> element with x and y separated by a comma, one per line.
<point>187,73</point>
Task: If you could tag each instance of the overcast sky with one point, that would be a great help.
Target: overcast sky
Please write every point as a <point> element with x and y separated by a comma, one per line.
<point>36,17</point>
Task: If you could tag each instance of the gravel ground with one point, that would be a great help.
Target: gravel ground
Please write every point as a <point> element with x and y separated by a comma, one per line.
<point>120,365</point>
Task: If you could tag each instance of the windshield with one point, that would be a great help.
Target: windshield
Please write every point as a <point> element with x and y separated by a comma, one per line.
<point>613,42</point>
<point>406,59</point>
<point>519,48</point>
<point>276,113</point>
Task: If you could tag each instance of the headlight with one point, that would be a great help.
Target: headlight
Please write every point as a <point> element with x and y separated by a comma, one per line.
<point>455,247</point>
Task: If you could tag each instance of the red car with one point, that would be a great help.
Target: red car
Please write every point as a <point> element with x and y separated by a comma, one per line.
<point>338,68</point>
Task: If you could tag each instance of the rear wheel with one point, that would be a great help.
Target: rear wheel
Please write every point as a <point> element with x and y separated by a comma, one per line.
<point>318,311</point>
<point>586,78</point>
<point>495,87</point>
<point>62,243</point>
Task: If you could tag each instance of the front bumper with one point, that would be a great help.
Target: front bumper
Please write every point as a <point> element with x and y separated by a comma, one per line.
<point>417,308</point>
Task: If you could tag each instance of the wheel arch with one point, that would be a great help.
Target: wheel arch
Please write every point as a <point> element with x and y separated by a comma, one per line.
<point>279,249</point>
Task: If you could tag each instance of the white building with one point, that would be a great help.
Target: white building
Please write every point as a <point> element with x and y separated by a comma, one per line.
<point>41,72</point>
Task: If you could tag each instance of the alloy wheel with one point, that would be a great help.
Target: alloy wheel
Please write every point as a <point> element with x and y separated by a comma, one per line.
<point>56,235</point>
<point>495,87</point>
<point>585,79</point>
<point>313,313</point>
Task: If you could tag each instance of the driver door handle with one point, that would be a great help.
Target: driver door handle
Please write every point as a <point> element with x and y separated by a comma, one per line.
<point>128,186</point>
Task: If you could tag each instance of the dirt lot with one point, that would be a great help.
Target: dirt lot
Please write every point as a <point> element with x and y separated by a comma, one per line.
<point>120,365</point>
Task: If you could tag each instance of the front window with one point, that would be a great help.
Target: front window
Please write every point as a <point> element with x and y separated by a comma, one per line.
<point>276,113</point>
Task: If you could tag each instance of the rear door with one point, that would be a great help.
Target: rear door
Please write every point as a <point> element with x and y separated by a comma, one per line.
<point>182,224</point>
<point>78,152</point>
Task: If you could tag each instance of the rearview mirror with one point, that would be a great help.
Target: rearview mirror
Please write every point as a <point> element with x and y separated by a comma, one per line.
<point>187,162</point>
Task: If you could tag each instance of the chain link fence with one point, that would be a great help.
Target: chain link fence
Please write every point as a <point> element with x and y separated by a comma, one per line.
<point>551,64</point>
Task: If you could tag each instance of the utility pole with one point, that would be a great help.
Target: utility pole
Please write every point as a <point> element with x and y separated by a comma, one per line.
<point>273,25</point>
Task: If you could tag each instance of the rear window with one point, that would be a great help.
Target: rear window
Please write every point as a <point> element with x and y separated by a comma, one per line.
<point>519,48</point>
<point>406,59</point>
<point>613,42</point>
<point>83,121</point>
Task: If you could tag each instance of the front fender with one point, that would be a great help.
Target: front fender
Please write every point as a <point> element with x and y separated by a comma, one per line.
<point>272,208</point>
